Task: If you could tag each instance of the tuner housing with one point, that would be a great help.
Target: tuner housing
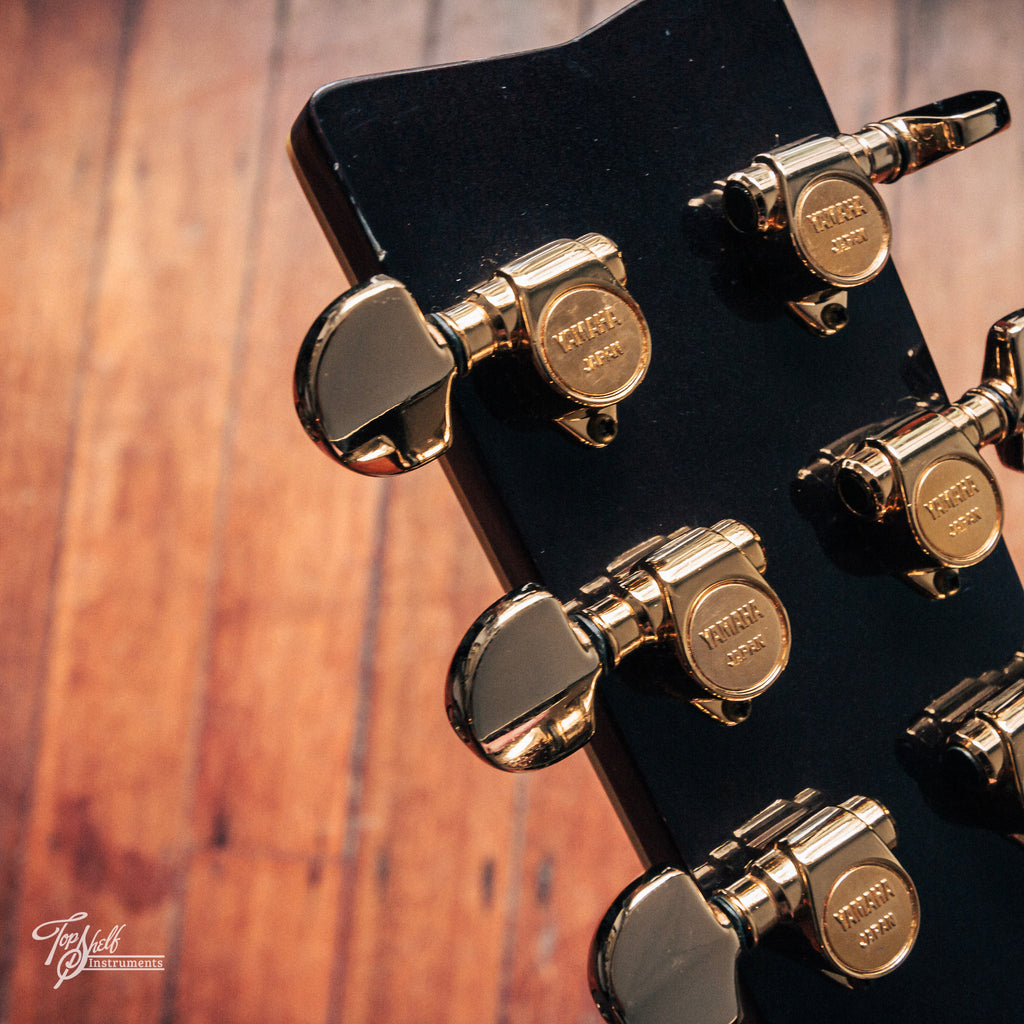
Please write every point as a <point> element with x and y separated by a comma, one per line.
<point>521,685</point>
<point>820,194</point>
<point>828,871</point>
<point>924,478</point>
<point>374,376</point>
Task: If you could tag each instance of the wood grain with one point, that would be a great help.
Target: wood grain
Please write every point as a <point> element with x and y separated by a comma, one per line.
<point>221,657</point>
<point>54,228</point>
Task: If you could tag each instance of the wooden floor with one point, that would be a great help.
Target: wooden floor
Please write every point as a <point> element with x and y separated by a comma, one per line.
<point>221,657</point>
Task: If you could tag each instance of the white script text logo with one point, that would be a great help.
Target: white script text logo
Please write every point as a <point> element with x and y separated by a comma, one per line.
<point>76,948</point>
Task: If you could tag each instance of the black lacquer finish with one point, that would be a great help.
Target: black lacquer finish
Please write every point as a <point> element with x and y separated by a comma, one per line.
<point>454,171</point>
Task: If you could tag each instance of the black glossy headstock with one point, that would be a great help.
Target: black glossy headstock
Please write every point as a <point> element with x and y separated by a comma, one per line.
<point>438,176</point>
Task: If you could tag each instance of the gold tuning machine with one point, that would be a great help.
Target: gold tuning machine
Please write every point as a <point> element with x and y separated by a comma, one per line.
<point>977,730</point>
<point>924,474</point>
<point>374,376</point>
<point>821,192</point>
<point>522,683</point>
<point>828,871</point>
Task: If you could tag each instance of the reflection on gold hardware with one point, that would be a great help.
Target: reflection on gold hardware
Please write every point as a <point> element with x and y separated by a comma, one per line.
<point>732,638</point>
<point>842,229</point>
<point>827,870</point>
<point>956,511</point>
<point>925,476</point>
<point>374,376</point>
<point>821,191</point>
<point>521,686</point>
<point>589,345</point>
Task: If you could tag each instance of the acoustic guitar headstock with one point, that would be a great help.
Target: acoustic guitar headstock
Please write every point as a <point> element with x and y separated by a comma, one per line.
<point>644,314</point>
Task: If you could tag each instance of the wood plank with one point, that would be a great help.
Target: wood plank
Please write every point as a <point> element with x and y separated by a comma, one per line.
<point>131,599</point>
<point>55,203</point>
<point>257,944</point>
<point>576,861</point>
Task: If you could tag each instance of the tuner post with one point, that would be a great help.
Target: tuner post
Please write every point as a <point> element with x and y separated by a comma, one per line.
<point>374,376</point>
<point>521,686</point>
<point>926,472</point>
<point>821,193</point>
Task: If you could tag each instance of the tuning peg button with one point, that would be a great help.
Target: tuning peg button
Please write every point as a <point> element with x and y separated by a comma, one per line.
<point>374,421</point>
<point>521,685</point>
<point>374,376</point>
<point>925,472</point>
<point>663,951</point>
<point>821,192</point>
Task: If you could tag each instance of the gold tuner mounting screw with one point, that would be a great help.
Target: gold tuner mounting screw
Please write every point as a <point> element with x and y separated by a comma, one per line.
<point>926,473</point>
<point>374,375</point>
<point>821,191</point>
<point>521,686</point>
<point>662,945</point>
